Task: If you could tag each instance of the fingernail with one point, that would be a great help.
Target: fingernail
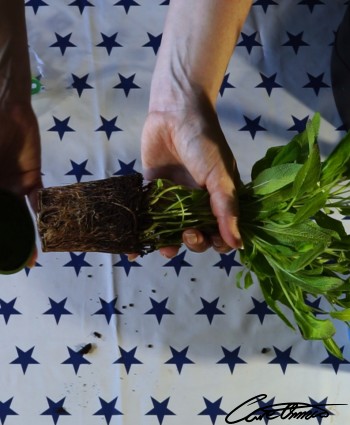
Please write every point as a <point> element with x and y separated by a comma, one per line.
<point>191,238</point>
<point>217,242</point>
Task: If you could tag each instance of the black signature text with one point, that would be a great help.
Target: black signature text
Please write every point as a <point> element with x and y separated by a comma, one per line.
<point>287,410</point>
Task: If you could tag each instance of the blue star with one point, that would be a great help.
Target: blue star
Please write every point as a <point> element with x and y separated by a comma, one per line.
<point>5,410</point>
<point>316,83</point>
<point>7,309</point>
<point>252,126</point>
<point>178,262</point>
<point>126,264</point>
<point>165,3</point>
<point>108,126</point>
<point>78,170</point>
<point>213,409</point>
<point>265,4</point>
<point>231,358</point>
<point>227,262</point>
<point>61,126</point>
<point>77,261</point>
<point>63,42</point>
<point>315,305</point>
<point>334,361</point>
<point>24,358</point>
<point>317,410</point>
<point>126,4</point>
<point>159,309</point>
<point>268,83</point>
<point>266,409</point>
<point>249,41</point>
<point>56,409</point>
<point>295,41</point>
<point>225,85</point>
<point>179,358</point>
<point>35,4</point>
<point>76,359</point>
<point>57,309</point>
<point>154,42</point>
<point>311,4</point>
<point>160,409</point>
<point>210,309</point>
<point>126,83</point>
<point>128,358</point>
<point>260,309</point>
<point>80,83</point>
<point>299,125</point>
<point>341,128</point>
<point>81,4</point>
<point>283,358</point>
<point>108,309</point>
<point>108,409</point>
<point>109,42</point>
<point>125,169</point>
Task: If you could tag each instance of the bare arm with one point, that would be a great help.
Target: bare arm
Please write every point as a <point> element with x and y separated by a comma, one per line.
<point>182,137</point>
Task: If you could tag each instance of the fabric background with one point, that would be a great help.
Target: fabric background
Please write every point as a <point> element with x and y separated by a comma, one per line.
<point>172,341</point>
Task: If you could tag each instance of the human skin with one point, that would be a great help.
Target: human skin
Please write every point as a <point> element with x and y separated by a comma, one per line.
<point>182,139</point>
<point>20,161</point>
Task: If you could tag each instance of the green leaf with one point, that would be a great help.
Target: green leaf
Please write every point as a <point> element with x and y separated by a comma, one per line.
<point>332,347</point>
<point>306,258</point>
<point>312,328</point>
<point>308,176</point>
<point>266,161</point>
<point>313,284</point>
<point>337,163</point>
<point>327,222</point>
<point>275,178</point>
<point>287,154</point>
<point>248,280</point>
<point>313,205</point>
<point>341,314</point>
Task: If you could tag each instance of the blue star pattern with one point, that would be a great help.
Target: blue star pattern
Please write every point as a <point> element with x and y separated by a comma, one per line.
<point>7,309</point>
<point>159,309</point>
<point>108,409</point>
<point>213,409</point>
<point>108,309</point>
<point>179,358</point>
<point>5,410</point>
<point>95,338</point>
<point>108,126</point>
<point>128,358</point>
<point>76,359</point>
<point>56,409</point>
<point>79,170</point>
<point>61,126</point>
<point>63,42</point>
<point>210,309</point>
<point>160,409</point>
<point>57,309</point>
<point>24,358</point>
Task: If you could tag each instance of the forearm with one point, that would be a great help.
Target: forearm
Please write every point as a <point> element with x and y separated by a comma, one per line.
<point>14,61</point>
<point>198,40</point>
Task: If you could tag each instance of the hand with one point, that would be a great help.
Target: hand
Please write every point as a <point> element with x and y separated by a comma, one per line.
<point>20,153</point>
<point>188,147</point>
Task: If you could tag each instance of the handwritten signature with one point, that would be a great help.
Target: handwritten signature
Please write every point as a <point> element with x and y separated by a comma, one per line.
<point>287,410</point>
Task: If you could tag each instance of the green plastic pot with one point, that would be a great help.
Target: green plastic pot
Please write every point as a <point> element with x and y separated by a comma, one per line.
<point>17,233</point>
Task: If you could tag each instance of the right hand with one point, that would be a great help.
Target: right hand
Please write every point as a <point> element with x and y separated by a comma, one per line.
<point>188,147</point>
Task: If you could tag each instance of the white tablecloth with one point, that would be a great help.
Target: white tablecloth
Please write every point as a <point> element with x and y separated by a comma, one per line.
<point>172,341</point>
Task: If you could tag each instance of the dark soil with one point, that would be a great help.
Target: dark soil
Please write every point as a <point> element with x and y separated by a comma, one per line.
<point>99,216</point>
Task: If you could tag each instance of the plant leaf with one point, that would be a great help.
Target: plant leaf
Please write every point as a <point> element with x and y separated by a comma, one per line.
<point>312,328</point>
<point>313,205</point>
<point>274,178</point>
<point>309,174</point>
